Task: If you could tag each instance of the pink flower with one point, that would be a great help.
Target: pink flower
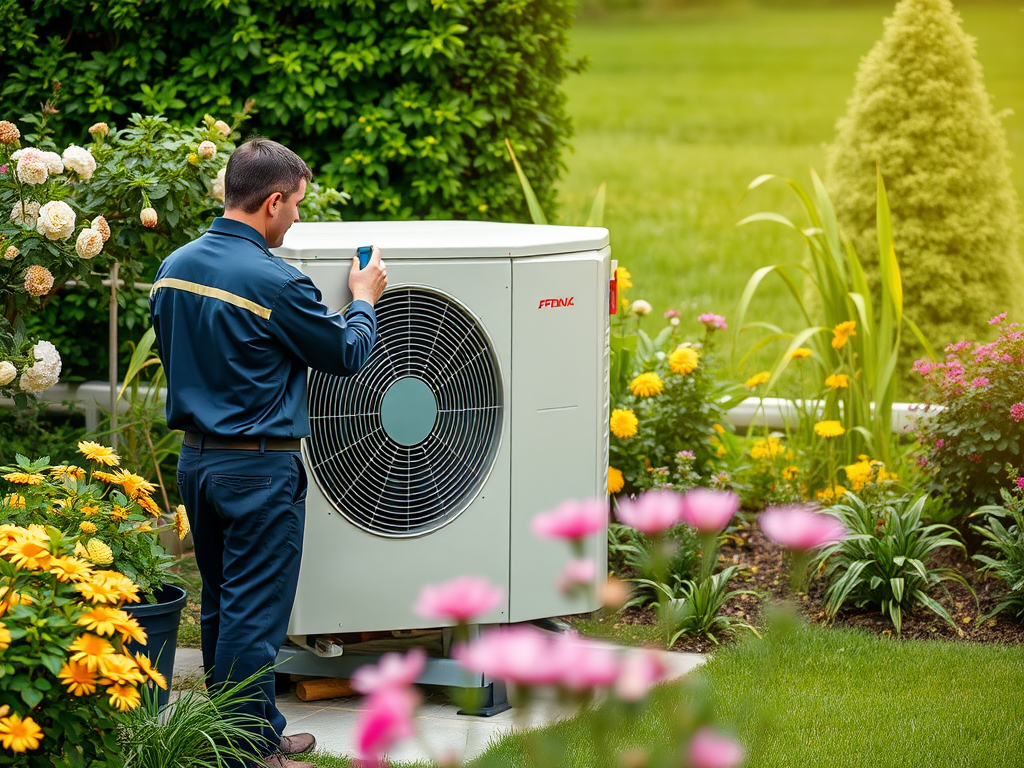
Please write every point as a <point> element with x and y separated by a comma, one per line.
<point>517,654</point>
<point>583,665</point>
<point>979,381</point>
<point>386,720</point>
<point>1017,411</point>
<point>939,443</point>
<point>3,170</point>
<point>800,528</point>
<point>577,573</point>
<point>709,511</point>
<point>392,671</point>
<point>669,313</point>
<point>652,512</point>
<point>711,750</point>
<point>922,461</point>
<point>571,520</point>
<point>461,599</point>
<point>1020,482</point>
<point>712,321</point>
<point>997,319</point>
<point>640,670</point>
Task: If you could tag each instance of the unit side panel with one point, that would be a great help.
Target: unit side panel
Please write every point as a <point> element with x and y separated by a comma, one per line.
<point>352,580</point>
<point>560,444</point>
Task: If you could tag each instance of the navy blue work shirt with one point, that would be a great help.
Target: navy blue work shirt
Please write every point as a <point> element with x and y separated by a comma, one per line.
<point>237,328</point>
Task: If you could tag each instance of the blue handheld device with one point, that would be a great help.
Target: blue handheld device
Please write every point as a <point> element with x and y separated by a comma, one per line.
<point>364,252</point>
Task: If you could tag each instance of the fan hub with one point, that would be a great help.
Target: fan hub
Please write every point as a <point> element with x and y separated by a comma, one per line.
<point>408,411</point>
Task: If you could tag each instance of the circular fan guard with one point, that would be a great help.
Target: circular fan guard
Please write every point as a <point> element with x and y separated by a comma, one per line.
<point>377,451</point>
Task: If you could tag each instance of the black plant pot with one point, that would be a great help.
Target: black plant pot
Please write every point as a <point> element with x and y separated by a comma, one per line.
<point>160,620</point>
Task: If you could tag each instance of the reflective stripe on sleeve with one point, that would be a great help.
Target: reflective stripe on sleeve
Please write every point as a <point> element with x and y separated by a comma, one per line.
<point>213,293</point>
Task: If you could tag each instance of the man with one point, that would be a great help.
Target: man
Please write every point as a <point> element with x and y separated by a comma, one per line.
<point>237,329</point>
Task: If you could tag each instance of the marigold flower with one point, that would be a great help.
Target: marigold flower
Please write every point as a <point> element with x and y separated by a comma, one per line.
<point>101,454</point>
<point>149,218</point>
<point>67,470</point>
<point>70,569</point>
<point>81,161</point>
<point>99,129</point>
<point>207,149</point>
<point>11,253</point>
<point>757,380</point>
<point>683,360</point>
<point>800,353</point>
<point>23,478</point>
<point>623,423</point>
<point>838,381</point>
<point>38,280</point>
<point>124,697</point>
<point>88,649</point>
<point>15,500</point>
<point>28,215</point>
<point>147,668</point>
<point>100,225</point>
<point>842,332</point>
<point>9,133</point>
<point>45,372</point>
<point>7,372</point>
<point>80,680</point>
<point>646,385</point>
<point>32,166</point>
<point>829,428</point>
<point>616,481</point>
<point>53,162</point>
<point>56,220</point>
<point>19,735</point>
<point>87,527</point>
<point>148,505</point>
<point>622,278</point>
<point>99,552</point>
<point>767,448</point>
<point>89,243</point>
<point>181,522</point>
<point>5,637</point>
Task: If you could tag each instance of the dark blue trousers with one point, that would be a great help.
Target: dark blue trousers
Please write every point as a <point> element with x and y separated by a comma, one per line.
<point>247,512</point>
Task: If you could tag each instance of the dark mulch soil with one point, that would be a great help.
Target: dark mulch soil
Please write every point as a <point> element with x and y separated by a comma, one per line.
<point>767,573</point>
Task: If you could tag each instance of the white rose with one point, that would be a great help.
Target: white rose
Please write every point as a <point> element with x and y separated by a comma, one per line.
<point>89,243</point>
<point>207,149</point>
<point>29,216</point>
<point>80,161</point>
<point>53,163</point>
<point>217,191</point>
<point>56,220</point>
<point>641,307</point>
<point>7,373</point>
<point>46,370</point>
<point>31,166</point>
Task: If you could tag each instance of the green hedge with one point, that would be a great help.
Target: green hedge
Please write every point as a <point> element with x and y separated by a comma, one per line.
<point>404,104</point>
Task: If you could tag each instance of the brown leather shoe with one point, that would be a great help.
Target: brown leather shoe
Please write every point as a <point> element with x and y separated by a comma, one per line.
<point>297,744</point>
<point>277,760</point>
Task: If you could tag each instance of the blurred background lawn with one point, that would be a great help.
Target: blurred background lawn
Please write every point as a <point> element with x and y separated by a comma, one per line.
<point>679,111</point>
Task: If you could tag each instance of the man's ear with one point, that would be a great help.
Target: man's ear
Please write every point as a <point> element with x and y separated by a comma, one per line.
<point>273,203</point>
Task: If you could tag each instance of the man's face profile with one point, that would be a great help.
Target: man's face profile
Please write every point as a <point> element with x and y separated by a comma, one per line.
<point>285,214</point>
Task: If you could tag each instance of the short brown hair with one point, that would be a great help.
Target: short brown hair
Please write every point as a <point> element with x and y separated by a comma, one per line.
<point>259,168</point>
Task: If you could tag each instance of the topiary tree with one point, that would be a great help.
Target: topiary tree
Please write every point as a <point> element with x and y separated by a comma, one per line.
<point>920,110</point>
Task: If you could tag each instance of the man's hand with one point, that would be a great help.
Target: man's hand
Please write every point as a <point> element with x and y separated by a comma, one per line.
<point>368,283</point>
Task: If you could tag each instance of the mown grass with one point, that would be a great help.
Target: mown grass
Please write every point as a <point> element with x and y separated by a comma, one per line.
<point>679,113</point>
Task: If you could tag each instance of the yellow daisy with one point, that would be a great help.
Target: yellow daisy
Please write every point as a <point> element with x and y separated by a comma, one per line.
<point>147,668</point>
<point>124,697</point>
<point>616,482</point>
<point>829,429</point>
<point>70,569</point>
<point>101,454</point>
<point>800,353</point>
<point>80,680</point>
<point>120,585</point>
<point>623,423</point>
<point>181,521</point>
<point>67,470</point>
<point>130,628</point>
<point>790,472</point>
<point>758,379</point>
<point>683,360</point>
<point>19,735</point>
<point>842,332</point>
<point>646,385</point>
<point>622,277</point>
<point>29,553</point>
<point>5,637</point>
<point>718,428</point>
<point>100,619</point>
<point>149,505</point>
<point>87,527</point>
<point>120,669</point>
<point>89,649</point>
<point>134,485</point>
<point>838,381</point>
<point>106,477</point>
<point>15,500</point>
<point>98,591</point>
<point>88,510</point>
<point>23,478</point>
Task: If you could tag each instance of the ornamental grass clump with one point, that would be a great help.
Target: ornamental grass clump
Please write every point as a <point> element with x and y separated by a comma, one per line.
<point>1005,540</point>
<point>978,428</point>
<point>883,562</point>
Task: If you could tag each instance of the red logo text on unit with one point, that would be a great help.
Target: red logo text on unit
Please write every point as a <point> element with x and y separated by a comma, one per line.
<point>553,303</point>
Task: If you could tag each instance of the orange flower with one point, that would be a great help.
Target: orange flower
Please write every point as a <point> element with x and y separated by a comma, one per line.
<point>129,628</point>
<point>90,649</point>
<point>28,553</point>
<point>146,667</point>
<point>116,668</point>
<point>100,619</point>
<point>70,569</point>
<point>134,485</point>
<point>124,697</point>
<point>149,505</point>
<point>101,454</point>
<point>79,679</point>
<point>19,735</point>
<point>23,478</point>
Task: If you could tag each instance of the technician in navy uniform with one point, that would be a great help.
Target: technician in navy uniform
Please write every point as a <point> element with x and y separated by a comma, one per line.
<point>237,329</point>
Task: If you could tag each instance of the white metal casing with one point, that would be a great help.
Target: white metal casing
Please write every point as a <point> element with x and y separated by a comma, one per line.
<point>554,366</point>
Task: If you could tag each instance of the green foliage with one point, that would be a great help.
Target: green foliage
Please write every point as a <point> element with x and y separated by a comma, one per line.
<point>883,560</point>
<point>35,431</point>
<point>1008,544</point>
<point>920,109</point>
<point>631,551</point>
<point>405,105</point>
<point>978,427</point>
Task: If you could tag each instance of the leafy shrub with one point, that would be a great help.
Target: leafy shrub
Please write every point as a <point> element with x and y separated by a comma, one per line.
<point>979,427</point>
<point>631,551</point>
<point>693,608</point>
<point>920,110</point>
<point>406,105</point>
<point>883,561</point>
<point>1008,543</point>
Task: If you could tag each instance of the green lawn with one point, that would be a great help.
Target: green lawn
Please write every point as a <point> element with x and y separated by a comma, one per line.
<point>678,114</point>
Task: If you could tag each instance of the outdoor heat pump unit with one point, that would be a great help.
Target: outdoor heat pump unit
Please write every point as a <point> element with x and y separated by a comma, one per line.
<point>483,402</point>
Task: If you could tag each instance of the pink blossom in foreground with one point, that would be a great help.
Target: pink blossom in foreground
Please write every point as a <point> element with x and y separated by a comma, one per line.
<point>671,313</point>
<point>584,665</point>
<point>386,720</point>
<point>713,321</point>
<point>712,750</point>
<point>461,599</point>
<point>997,319</point>
<point>652,512</point>
<point>1017,411</point>
<point>640,670</point>
<point>577,573</point>
<point>571,520</point>
<point>708,511</point>
<point>800,528</point>
<point>1020,482</point>
<point>394,670</point>
<point>517,654</point>
<point>979,381</point>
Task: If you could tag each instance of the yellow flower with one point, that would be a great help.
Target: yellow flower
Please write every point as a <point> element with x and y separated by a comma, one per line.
<point>622,277</point>
<point>15,500</point>
<point>29,553</point>
<point>101,454</point>
<point>758,379</point>
<point>129,628</point>
<point>790,472</point>
<point>23,478</point>
<point>123,587</point>
<point>19,735</point>
<point>859,474</point>
<point>87,527</point>
<point>133,484</point>
<point>68,470</point>
<point>124,697</point>
<point>800,353</point>
<point>683,360</point>
<point>831,494</point>
<point>181,521</point>
<point>616,482</point>
<point>767,448</point>
<point>838,381</point>
<point>89,649</point>
<point>116,668</point>
<point>79,679</point>
<point>720,449</point>
<point>70,569</point>
<point>99,552</point>
<point>149,505</point>
<point>842,332</point>
<point>89,510</point>
<point>97,591</point>
<point>718,428</point>
<point>623,423</point>
<point>829,429</point>
<point>5,637</point>
<point>101,619</point>
<point>105,477</point>
<point>646,385</point>
<point>119,513</point>
<point>146,667</point>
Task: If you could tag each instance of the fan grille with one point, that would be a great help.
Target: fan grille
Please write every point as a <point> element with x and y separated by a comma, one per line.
<point>401,448</point>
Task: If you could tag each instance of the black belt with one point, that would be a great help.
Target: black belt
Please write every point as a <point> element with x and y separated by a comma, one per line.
<point>220,443</point>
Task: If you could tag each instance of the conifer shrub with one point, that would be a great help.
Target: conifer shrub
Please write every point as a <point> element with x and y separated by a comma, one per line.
<point>920,110</point>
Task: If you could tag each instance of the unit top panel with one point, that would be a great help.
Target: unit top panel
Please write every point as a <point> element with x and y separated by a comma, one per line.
<point>437,239</point>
